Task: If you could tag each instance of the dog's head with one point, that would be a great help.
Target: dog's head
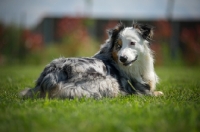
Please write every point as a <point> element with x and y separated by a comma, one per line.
<point>129,43</point>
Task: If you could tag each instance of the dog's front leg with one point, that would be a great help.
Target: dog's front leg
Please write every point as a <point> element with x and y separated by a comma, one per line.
<point>152,85</point>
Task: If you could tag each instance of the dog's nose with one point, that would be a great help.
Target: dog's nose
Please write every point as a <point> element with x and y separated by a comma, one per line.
<point>123,58</point>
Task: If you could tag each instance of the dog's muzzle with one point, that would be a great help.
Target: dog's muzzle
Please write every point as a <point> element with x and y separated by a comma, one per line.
<point>124,61</point>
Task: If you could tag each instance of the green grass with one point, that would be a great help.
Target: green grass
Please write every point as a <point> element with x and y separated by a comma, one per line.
<point>177,111</point>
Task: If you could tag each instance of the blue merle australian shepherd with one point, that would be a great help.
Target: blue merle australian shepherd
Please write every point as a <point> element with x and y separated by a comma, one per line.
<point>123,66</point>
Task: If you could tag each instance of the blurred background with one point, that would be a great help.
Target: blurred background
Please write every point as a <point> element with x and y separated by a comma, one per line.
<point>37,31</point>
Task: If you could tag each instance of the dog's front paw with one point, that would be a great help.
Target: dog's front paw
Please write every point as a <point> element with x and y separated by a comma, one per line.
<point>158,93</point>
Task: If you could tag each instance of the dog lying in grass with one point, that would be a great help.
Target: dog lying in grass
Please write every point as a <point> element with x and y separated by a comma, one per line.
<point>124,65</point>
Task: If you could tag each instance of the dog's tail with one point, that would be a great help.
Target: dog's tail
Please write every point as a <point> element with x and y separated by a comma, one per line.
<point>29,93</point>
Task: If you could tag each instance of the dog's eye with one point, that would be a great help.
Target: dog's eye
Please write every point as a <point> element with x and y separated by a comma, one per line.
<point>132,43</point>
<point>118,47</point>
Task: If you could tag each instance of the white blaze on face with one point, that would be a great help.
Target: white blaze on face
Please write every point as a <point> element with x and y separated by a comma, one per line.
<point>131,46</point>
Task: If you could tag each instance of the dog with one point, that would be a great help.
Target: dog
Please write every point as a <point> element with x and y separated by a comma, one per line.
<point>124,65</point>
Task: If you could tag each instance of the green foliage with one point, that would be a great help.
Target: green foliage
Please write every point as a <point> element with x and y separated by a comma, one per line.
<point>166,56</point>
<point>68,48</point>
<point>177,110</point>
<point>11,45</point>
<point>19,46</point>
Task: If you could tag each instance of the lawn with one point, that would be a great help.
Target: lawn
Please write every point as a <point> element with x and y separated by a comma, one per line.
<point>177,111</point>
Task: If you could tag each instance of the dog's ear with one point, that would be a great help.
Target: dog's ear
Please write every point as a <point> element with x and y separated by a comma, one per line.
<point>115,31</point>
<point>113,34</point>
<point>146,31</point>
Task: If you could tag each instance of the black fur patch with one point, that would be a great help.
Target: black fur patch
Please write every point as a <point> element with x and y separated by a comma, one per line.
<point>68,71</point>
<point>90,60</point>
<point>114,33</point>
<point>104,69</point>
<point>146,31</point>
<point>82,60</point>
<point>91,70</point>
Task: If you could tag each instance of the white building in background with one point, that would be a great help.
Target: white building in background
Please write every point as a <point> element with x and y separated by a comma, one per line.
<point>29,12</point>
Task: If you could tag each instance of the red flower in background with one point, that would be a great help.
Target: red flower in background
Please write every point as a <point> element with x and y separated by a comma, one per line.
<point>190,38</point>
<point>71,27</point>
<point>163,29</point>
<point>32,41</point>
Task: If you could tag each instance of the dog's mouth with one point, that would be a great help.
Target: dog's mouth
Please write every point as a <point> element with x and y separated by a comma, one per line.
<point>130,62</point>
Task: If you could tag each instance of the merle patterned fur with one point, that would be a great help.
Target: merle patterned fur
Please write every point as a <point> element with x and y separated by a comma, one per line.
<point>95,77</point>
